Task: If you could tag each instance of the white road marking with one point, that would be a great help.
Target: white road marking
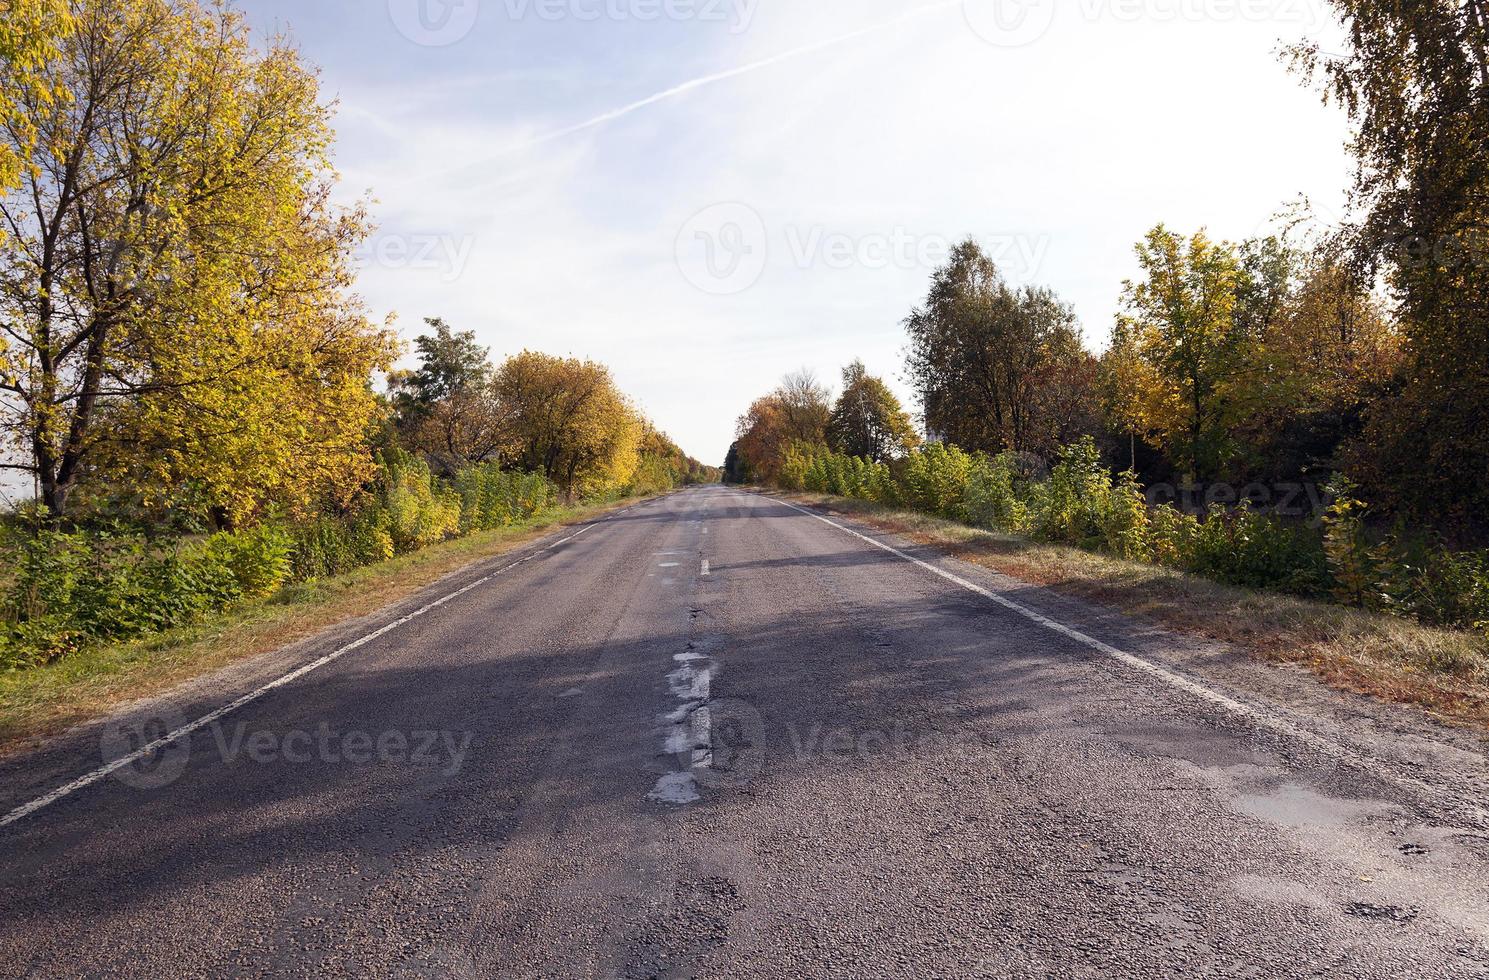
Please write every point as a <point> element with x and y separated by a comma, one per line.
<point>676,788</point>
<point>101,772</point>
<point>1256,715</point>
<point>687,729</point>
<point>669,564</point>
<point>705,567</point>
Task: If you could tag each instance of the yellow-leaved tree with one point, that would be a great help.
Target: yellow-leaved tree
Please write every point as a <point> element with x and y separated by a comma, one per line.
<point>30,32</point>
<point>175,284</point>
<point>566,419</point>
<point>1177,348</point>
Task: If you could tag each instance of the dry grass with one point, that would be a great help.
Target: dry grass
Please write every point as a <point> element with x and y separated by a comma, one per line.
<point>1443,671</point>
<point>42,701</point>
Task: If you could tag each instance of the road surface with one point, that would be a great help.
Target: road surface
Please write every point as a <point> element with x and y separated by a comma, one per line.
<point>718,736</point>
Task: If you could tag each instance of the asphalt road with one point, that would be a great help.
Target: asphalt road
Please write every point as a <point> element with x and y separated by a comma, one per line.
<point>810,756</point>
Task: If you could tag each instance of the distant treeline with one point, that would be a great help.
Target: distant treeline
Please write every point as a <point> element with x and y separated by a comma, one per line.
<point>1236,373</point>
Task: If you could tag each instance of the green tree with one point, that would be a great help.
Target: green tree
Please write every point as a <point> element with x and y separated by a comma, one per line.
<point>1179,324</point>
<point>867,419</point>
<point>450,363</point>
<point>447,408</point>
<point>987,359</point>
<point>1414,79</point>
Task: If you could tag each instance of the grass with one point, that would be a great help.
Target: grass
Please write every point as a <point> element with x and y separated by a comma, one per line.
<point>1445,672</point>
<point>42,701</point>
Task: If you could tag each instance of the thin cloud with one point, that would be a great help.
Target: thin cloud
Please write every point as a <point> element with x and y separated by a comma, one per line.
<point>689,86</point>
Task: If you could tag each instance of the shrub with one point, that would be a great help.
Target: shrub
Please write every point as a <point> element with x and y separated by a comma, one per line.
<point>1242,547</point>
<point>421,510</point>
<point>992,500</point>
<point>800,460</point>
<point>1126,520</point>
<point>1074,503</point>
<point>1354,566</point>
<point>491,497</point>
<point>74,587</point>
<point>935,480</point>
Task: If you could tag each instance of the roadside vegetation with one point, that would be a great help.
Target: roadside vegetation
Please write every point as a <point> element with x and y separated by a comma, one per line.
<point>47,698</point>
<point>207,418</point>
<point>1304,413</point>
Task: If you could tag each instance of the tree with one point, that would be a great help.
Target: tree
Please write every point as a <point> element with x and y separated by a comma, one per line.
<point>567,420</point>
<point>173,278</point>
<point>805,407</point>
<point>1414,79</point>
<point>795,414</point>
<point>986,358</point>
<point>446,408</point>
<point>734,469</point>
<point>867,419</point>
<point>30,35</point>
<point>663,465</point>
<point>449,364</point>
<point>1310,374</point>
<point>1179,324</point>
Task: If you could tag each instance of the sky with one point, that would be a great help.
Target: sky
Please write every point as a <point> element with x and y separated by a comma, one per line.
<point>707,194</point>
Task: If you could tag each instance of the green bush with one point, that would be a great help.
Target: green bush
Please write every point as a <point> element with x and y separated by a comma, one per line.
<point>334,545</point>
<point>1074,501</point>
<point>421,509</point>
<point>1127,520</point>
<point>74,587</point>
<point>491,497</point>
<point>992,499</point>
<point>1241,547</point>
<point>1082,504</point>
<point>935,480</point>
<point>63,589</point>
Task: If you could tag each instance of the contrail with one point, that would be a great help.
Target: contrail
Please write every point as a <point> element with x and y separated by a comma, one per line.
<point>745,69</point>
<point>705,80</point>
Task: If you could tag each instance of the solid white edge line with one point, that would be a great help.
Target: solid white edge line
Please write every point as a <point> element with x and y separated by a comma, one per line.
<point>1189,686</point>
<point>101,772</point>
